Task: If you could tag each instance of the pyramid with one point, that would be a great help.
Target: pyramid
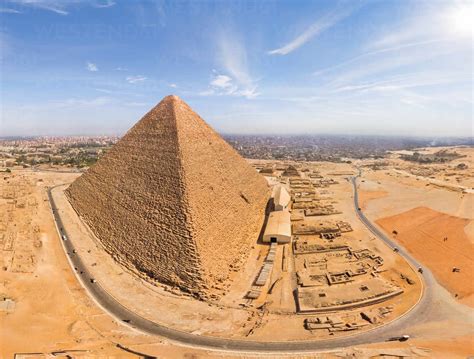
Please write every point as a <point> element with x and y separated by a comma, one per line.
<point>291,171</point>
<point>174,202</point>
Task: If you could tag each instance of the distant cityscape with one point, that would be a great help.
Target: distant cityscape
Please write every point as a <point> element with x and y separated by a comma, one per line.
<point>335,148</point>
<point>83,151</point>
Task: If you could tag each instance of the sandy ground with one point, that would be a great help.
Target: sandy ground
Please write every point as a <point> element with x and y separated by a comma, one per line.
<point>53,312</point>
<point>439,241</point>
<point>442,173</point>
<point>366,196</point>
<point>423,215</point>
<point>229,318</point>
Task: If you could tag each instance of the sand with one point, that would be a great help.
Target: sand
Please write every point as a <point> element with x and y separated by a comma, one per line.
<point>423,232</point>
<point>54,313</point>
<point>366,196</point>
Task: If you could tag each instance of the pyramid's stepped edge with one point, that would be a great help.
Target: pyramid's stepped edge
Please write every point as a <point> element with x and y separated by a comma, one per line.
<point>174,200</point>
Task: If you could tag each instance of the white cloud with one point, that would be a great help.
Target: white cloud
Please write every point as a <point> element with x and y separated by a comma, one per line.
<point>104,4</point>
<point>407,81</point>
<point>92,67</point>
<point>370,54</point>
<point>56,6</point>
<point>322,24</point>
<point>9,11</point>
<point>250,92</point>
<point>232,57</point>
<point>234,78</point>
<point>135,79</point>
<point>61,6</point>
<point>104,90</point>
<point>447,21</point>
<point>221,85</point>
<point>398,59</point>
<point>173,86</point>
<point>222,81</point>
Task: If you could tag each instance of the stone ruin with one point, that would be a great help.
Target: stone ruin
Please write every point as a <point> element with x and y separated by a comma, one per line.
<point>174,202</point>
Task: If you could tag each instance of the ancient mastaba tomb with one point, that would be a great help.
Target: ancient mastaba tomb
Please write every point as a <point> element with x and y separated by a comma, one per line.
<point>174,202</point>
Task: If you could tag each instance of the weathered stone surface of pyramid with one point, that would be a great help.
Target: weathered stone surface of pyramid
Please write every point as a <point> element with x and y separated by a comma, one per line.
<point>174,202</point>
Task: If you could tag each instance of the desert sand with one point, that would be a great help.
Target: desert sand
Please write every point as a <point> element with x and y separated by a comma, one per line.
<point>425,204</point>
<point>53,313</point>
<point>366,196</point>
<point>439,241</point>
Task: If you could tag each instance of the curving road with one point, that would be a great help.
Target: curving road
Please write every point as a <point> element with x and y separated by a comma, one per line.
<point>377,232</point>
<point>120,313</point>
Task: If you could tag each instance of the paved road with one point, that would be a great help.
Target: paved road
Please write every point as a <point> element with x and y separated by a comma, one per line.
<point>377,232</point>
<point>119,312</point>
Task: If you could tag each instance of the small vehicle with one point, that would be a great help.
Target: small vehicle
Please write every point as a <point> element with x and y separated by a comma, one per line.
<point>401,338</point>
<point>93,280</point>
<point>74,251</point>
<point>395,249</point>
<point>420,270</point>
<point>64,237</point>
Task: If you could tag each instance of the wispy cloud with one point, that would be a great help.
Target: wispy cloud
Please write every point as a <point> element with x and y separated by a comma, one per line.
<point>105,90</point>
<point>423,38</point>
<point>135,79</point>
<point>222,81</point>
<point>441,22</point>
<point>104,4</point>
<point>56,6</point>
<point>232,56</point>
<point>9,11</point>
<point>173,85</point>
<point>220,85</point>
<point>400,82</point>
<point>92,67</point>
<point>325,22</point>
<point>61,7</point>
<point>234,77</point>
<point>364,56</point>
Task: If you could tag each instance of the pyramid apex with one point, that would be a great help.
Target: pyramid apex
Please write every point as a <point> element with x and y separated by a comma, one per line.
<point>172,98</point>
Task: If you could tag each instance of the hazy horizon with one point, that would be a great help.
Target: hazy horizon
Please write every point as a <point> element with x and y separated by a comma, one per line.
<point>263,135</point>
<point>391,68</point>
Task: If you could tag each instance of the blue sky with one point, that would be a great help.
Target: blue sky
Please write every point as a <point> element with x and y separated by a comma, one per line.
<point>296,67</point>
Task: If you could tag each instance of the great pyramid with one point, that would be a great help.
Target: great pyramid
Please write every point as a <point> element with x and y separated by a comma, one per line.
<point>174,201</point>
